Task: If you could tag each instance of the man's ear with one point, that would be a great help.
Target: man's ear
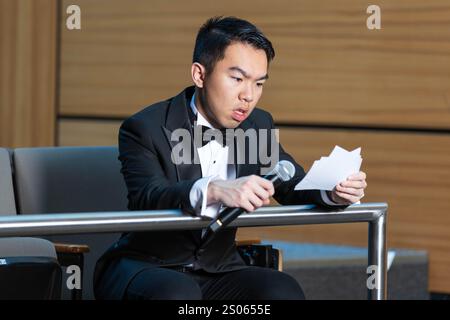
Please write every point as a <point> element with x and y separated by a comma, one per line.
<point>198,73</point>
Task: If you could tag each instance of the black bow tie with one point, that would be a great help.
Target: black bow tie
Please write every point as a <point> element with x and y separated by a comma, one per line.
<point>204,135</point>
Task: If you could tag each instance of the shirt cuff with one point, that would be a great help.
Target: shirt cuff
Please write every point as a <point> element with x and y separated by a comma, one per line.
<point>198,197</point>
<point>328,201</point>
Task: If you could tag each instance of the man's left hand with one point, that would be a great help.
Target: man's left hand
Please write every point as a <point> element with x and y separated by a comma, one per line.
<point>351,190</point>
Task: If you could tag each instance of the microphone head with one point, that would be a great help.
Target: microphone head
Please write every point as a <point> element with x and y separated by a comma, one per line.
<point>285,170</point>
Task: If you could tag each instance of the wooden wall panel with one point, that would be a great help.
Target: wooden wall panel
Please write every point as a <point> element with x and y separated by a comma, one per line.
<point>411,172</point>
<point>28,72</point>
<point>88,132</point>
<point>329,67</point>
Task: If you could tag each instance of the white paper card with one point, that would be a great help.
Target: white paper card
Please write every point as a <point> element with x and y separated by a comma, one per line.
<point>327,172</point>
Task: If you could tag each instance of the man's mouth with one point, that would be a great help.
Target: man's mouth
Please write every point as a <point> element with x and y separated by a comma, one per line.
<point>239,114</point>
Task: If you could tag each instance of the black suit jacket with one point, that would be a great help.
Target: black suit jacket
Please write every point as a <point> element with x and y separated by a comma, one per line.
<point>155,182</point>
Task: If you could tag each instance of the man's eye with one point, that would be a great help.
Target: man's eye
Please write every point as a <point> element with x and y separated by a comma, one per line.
<point>237,79</point>
<point>260,84</point>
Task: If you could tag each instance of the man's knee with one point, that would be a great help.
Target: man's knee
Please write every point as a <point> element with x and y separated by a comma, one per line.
<point>274,285</point>
<point>176,289</point>
<point>284,287</point>
<point>168,286</point>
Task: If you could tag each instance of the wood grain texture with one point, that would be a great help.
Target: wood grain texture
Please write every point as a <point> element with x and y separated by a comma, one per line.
<point>71,248</point>
<point>87,132</point>
<point>329,68</point>
<point>411,172</point>
<point>28,72</point>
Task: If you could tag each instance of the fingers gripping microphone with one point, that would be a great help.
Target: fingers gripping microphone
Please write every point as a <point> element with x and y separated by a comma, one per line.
<point>283,171</point>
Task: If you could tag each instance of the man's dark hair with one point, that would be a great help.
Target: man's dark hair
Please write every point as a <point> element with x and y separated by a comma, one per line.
<point>219,32</point>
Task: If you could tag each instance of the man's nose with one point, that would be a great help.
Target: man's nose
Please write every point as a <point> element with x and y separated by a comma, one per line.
<point>247,93</point>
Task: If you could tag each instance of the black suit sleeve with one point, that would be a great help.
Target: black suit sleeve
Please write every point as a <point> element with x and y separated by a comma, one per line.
<point>148,187</point>
<point>285,193</point>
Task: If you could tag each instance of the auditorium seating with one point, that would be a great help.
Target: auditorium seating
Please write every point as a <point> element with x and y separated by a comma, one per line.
<point>29,268</point>
<point>7,200</point>
<point>72,179</point>
<point>81,179</point>
<point>87,179</point>
<point>62,180</point>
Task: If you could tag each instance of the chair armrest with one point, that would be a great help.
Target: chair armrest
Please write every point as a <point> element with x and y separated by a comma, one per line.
<point>280,260</point>
<point>72,254</point>
<point>247,242</point>
<point>71,248</point>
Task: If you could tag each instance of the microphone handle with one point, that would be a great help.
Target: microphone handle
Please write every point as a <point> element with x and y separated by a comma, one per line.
<point>227,216</point>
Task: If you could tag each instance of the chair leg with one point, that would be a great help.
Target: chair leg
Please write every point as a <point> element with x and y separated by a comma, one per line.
<point>68,259</point>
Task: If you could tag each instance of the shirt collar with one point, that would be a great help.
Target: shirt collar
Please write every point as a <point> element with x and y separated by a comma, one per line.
<point>201,121</point>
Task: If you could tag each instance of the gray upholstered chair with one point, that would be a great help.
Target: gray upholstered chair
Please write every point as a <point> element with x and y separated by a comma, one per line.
<point>28,266</point>
<point>7,200</point>
<point>72,179</point>
<point>77,179</point>
<point>29,269</point>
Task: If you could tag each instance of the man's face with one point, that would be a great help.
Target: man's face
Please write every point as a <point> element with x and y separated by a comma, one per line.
<point>231,91</point>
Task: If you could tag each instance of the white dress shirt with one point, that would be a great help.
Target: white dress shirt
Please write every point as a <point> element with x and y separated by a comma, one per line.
<point>213,161</point>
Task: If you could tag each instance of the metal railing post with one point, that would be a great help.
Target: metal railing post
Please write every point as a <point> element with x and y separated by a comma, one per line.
<point>377,264</point>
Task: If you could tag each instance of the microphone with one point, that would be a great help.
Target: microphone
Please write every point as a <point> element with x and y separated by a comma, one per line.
<point>283,171</point>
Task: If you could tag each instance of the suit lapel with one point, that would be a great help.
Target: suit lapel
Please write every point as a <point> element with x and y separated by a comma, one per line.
<point>244,168</point>
<point>177,118</point>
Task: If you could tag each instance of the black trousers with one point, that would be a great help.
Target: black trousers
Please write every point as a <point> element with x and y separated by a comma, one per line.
<point>250,283</point>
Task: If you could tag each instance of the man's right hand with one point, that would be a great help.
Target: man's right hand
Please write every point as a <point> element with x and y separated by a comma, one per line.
<point>248,193</point>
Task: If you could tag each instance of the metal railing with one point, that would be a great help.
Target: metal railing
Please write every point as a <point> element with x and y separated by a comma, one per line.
<point>100,222</point>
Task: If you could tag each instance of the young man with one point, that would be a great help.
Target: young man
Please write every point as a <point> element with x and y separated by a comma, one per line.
<point>230,66</point>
